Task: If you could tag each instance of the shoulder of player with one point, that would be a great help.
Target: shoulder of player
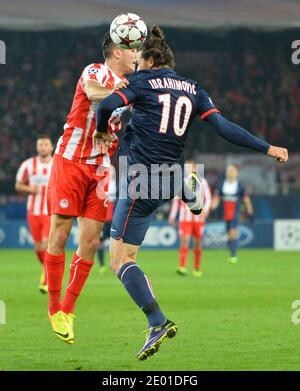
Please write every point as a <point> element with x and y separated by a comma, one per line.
<point>93,68</point>
<point>27,162</point>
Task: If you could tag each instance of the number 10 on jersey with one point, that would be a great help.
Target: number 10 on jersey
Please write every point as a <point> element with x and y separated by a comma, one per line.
<point>179,125</point>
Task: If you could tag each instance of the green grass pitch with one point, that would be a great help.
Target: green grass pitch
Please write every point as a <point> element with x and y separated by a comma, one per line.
<point>237,317</point>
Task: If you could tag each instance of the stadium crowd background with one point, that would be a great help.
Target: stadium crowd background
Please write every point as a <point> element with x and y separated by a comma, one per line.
<point>249,75</point>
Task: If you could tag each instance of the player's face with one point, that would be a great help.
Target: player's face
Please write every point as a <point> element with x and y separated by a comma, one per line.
<point>232,173</point>
<point>44,147</point>
<point>127,60</point>
<point>142,63</point>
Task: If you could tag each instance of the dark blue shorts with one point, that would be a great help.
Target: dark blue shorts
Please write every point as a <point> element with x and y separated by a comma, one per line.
<point>231,224</point>
<point>132,216</point>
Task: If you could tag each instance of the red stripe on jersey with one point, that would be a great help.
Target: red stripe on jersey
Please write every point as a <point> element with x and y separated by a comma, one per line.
<point>31,210</point>
<point>25,175</point>
<point>122,96</point>
<point>43,195</point>
<point>207,113</point>
<point>34,166</point>
<point>111,80</point>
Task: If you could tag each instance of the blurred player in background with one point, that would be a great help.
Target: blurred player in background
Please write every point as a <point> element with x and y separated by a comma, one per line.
<point>112,190</point>
<point>190,225</point>
<point>232,194</point>
<point>78,185</point>
<point>165,104</point>
<point>32,179</point>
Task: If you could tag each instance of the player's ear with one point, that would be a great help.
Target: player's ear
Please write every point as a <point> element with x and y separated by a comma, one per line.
<point>117,52</point>
<point>150,62</point>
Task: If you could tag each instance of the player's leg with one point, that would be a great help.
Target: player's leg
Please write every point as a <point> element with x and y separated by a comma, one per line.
<point>55,263</point>
<point>45,231</point>
<point>55,258</point>
<point>129,226</point>
<point>66,190</point>
<point>198,230</point>
<point>184,235</point>
<point>90,226</point>
<point>35,229</point>
<point>232,233</point>
<point>82,261</point>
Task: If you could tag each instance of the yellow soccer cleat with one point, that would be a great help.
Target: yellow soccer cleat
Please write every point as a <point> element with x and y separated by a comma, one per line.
<point>182,271</point>
<point>70,321</point>
<point>233,260</point>
<point>43,288</point>
<point>60,326</point>
<point>197,273</point>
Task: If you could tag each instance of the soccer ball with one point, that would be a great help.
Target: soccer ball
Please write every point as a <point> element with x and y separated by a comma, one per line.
<point>128,31</point>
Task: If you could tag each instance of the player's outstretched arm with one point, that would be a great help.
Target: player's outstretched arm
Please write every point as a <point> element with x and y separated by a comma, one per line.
<point>96,93</point>
<point>239,136</point>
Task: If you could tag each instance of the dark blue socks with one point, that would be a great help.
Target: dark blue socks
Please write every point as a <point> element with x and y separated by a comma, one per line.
<point>138,287</point>
<point>232,245</point>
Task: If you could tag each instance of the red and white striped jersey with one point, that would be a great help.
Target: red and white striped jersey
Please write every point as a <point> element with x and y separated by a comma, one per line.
<point>33,172</point>
<point>76,142</point>
<point>184,213</point>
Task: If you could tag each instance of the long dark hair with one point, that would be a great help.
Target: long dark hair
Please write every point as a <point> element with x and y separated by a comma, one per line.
<point>155,47</point>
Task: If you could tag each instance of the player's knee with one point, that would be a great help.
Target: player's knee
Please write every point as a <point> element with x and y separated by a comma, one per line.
<point>59,239</point>
<point>92,244</point>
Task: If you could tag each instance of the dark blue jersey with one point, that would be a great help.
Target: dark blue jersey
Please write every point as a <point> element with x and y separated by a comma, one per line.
<point>165,104</point>
<point>232,195</point>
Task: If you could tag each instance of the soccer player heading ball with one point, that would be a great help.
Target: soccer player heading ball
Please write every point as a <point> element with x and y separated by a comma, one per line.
<point>165,105</point>
<point>78,186</point>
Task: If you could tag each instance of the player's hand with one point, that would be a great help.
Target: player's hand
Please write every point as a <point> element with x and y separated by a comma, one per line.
<point>278,153</point>
<point>101,141</point>
<point>33,189</point>
<point>122,84</point>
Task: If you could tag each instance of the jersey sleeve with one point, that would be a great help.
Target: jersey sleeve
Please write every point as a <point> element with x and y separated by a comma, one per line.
<point>23,173</point>
<point>205,104</point>
<point>128,95</point>
<point>131,93</point>
<point>94,72</point>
